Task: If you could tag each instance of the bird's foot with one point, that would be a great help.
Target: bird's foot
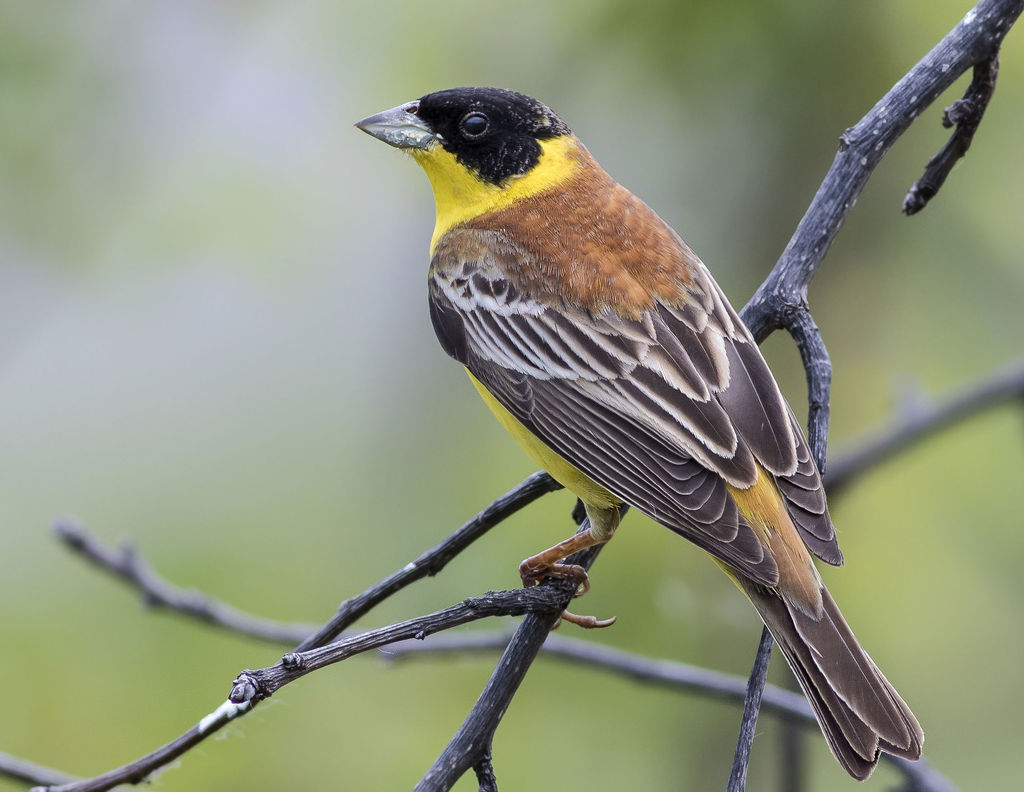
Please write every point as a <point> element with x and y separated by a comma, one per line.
<point>534,569</point>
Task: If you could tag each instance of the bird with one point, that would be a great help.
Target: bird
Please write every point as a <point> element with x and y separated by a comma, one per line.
<point>603,344</point>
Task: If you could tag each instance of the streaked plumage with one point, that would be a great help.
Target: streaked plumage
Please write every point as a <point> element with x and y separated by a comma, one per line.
<point>605,346</point>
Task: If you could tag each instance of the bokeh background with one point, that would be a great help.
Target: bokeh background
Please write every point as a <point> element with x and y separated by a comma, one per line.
<point>214,342</point>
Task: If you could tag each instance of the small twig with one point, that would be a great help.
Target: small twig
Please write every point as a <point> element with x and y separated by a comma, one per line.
<point>665,673</point>
<point>751,707</point>
<point>128,565</point>
<point>965,114</point>
<point>433,561</point>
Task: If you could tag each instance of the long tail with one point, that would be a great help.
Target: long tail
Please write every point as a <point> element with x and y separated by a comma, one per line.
<point>860,713</point>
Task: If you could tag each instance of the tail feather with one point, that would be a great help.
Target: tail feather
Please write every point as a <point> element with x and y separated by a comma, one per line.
<point>860,713</point>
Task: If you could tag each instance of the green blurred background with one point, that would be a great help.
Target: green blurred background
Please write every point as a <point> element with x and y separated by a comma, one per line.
<point>214,341</point>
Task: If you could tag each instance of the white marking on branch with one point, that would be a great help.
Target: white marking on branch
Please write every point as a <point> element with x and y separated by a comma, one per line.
<point>224,712</point>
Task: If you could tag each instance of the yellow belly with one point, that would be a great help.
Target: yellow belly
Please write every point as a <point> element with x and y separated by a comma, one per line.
<point>570,477</point>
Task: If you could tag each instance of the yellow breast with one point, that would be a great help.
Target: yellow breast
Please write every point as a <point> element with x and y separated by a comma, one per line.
<point>569,476</point>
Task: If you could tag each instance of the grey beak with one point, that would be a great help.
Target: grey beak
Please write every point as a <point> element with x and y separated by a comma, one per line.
<point>399,127</point>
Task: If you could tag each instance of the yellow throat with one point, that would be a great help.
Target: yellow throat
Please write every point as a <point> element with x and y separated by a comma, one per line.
<point>459,195</point>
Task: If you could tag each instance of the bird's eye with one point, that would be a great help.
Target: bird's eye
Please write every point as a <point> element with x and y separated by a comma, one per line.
<point>474,125</point>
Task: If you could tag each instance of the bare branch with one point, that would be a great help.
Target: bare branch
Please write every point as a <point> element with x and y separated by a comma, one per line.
<point>128,565</point>
<point>664,673</point>
<point>924,421</point>
<point>547,601</point>
<point>781,301</point>
<point>975,39</point>
<point>472,742</point>
<point>251,687</point>
<point>130,568</point>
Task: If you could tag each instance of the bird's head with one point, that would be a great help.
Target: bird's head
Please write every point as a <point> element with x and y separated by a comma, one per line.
<point>481,148</point>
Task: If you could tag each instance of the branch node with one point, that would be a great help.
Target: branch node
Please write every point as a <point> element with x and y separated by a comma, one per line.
<point>965,114</point>
<point>246,689</point>
<point>293,661</point>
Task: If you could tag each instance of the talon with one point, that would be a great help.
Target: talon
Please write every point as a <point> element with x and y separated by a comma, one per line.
<point>586,622</point>
<point>582,588</point>
<point>533,573</point>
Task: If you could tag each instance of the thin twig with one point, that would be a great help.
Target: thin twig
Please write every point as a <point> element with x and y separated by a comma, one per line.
<point>966,115</point>
<point>127,564</point>
<point>666,673</point>
<point>484,769</point>
<point>751,707</point>
<point>433,561</point>
<point>21,770</point>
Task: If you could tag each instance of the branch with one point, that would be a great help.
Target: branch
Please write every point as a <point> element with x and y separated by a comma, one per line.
<point>471,744</point>
<point>546,601</point>
<point>668,674</point>
<point>751,707</point>
<point>21,770</point>
<point>128,566</point>
<point>250,687</point>
<point>925,420</point>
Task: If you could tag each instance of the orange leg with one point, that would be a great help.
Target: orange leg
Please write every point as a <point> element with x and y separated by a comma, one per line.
<point>548,563</point>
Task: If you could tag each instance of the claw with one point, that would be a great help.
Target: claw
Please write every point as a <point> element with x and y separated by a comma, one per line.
<point>586,622</point>
<point>533,573</point>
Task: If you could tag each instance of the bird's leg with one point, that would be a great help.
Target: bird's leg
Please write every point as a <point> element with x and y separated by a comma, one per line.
<point>534,569</point>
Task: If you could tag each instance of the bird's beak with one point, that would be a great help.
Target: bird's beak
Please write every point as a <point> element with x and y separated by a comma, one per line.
<point>399,127</point>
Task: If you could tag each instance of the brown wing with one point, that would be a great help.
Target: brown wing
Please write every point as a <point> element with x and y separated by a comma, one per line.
<point>661,410</point>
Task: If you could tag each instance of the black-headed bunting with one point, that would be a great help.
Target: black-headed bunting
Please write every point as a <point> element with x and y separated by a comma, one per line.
<point>604,346</point>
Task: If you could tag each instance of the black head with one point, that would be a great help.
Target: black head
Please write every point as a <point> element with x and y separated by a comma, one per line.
<point>490,130</point>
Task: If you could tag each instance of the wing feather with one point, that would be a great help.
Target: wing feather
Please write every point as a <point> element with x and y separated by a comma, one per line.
<point>663,409</point>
